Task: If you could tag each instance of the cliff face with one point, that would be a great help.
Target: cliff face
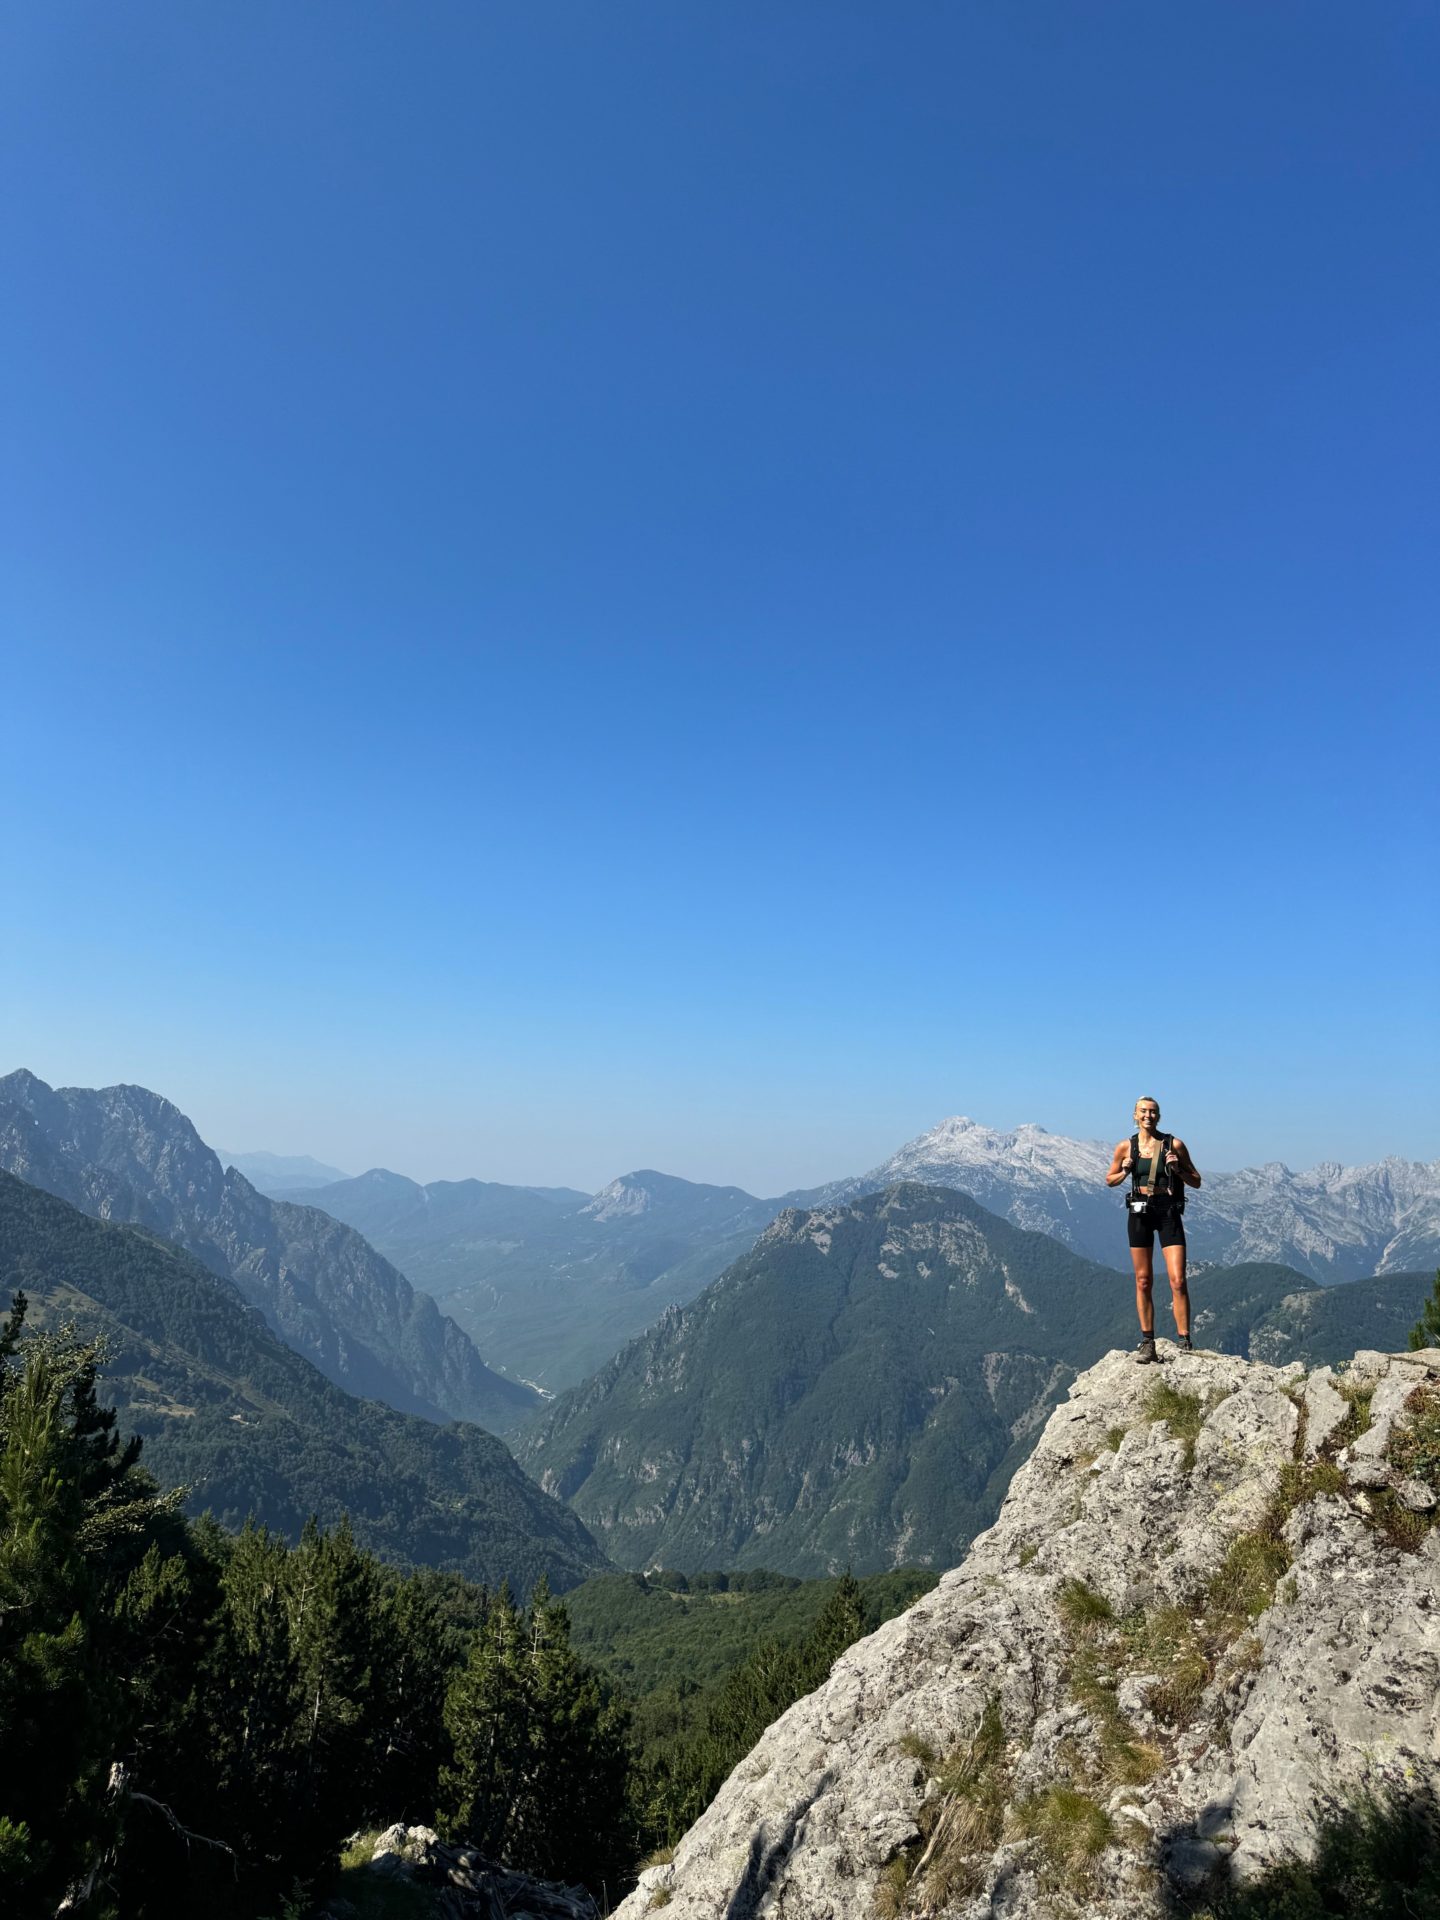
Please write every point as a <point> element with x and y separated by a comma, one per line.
<point>1204,1630</point>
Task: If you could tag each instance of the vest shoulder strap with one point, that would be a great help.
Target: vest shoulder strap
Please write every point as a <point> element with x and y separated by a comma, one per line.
<point>1158,1171</point>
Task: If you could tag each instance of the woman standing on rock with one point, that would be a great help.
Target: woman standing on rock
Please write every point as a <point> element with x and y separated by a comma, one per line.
<point>1159,1168</point>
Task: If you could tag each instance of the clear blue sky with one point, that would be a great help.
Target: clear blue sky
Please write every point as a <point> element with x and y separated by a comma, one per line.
<point>703,585</point>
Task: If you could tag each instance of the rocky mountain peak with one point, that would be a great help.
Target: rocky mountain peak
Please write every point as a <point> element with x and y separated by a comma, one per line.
<point>1204,1629</point>
<point>630,1194</point>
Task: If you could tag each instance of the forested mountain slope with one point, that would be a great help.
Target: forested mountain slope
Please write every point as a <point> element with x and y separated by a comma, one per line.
<point>123,1153</point>
<point>228,1410</point>
<point>858,1389</point>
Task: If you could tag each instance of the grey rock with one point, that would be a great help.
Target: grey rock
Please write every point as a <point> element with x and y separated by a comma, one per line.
<point>1335,1690</point>
<point>1325,1410</point>
<point>1133,1694</point>
<point>1415,1495</point>
<point>467,1886</point>
<point>1392,1390</point>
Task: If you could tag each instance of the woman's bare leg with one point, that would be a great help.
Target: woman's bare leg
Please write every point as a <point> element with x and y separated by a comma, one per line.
<point>1141,1259</point>
<point>1179,1292</point>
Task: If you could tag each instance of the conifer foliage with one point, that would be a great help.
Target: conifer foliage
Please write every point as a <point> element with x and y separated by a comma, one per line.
<point>539,1767</point>
<point>192,1719</point>
<point>76,1521</point>
<point>686,1762</point>
<point>1426,1330</point>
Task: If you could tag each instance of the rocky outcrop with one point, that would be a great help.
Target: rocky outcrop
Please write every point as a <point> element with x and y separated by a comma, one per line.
<point>1205,1625</point>
<point>462,1883</point>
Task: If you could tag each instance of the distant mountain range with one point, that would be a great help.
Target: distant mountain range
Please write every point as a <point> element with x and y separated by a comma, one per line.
<point>551,1281</point>
<point>858,1388</point>
<point>125,1154</point>
<point>250,1427</point>
<point>1332,1223</point>
<point>280,1173</point>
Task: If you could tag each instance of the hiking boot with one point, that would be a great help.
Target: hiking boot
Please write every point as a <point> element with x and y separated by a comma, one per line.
<point>1145,1352</point>
<point>1185,1343</point>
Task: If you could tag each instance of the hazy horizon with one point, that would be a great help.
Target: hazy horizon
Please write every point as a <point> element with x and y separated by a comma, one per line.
<point>503,1167</point>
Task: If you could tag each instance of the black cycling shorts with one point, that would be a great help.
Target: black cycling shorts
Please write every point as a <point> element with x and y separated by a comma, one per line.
<point>1169,1224</point>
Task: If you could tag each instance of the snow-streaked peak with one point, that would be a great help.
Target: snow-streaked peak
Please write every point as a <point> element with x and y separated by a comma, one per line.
<point>962,1145</point>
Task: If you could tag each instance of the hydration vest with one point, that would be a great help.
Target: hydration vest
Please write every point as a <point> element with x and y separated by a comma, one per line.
<point>1165,1186</point>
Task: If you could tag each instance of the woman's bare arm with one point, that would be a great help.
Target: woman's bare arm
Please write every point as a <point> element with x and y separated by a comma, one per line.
<point>1120,1164</point>
<point>1189,1172</point>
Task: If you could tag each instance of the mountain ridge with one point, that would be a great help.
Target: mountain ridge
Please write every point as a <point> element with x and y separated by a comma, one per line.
<point>227,1409</point>
<point>126,1153</point>
<point>554,1290</point>
<point>550,1281</point>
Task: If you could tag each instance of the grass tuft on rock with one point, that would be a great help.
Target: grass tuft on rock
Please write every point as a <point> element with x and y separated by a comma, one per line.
<point>961,1824</point>
<point>1415,1438</point>
<point>1183,1413</point>
<point>1169,1643</point>
<point>1394,1521</point>
<point>892,1887</point>
<point>1071,1828</point>
<point>1080,1605</point>
<point>1357,1421</point>
<point>1245,1584</point>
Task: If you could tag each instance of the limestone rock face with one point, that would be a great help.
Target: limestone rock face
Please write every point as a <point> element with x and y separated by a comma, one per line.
<point>1189,1636</point>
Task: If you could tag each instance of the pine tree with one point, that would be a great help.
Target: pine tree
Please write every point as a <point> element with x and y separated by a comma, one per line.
<point>50,1755</point>
<point>75,1518</point>
<point>573,1806</point>
<point>416,1651</point>
<point>1426,1330</point>
<point>334,1611</point>
<point>486,1719</point>
<point>243,1746</point>
<point>538,1777</point>
<point>841,1623</point>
